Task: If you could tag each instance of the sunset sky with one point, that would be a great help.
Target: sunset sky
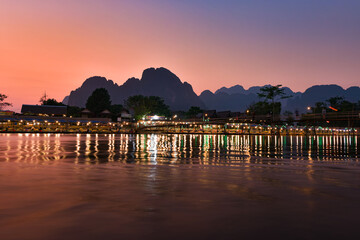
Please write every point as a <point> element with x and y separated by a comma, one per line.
<point>54,46</point>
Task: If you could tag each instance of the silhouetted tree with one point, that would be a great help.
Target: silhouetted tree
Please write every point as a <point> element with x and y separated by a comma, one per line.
<point>52,101</point>
<point>271,94</point>
<point>4,104</point>
<point>116,109</point>
<point>138,104</point>
<point>338,103</point>
<point>142,106</point>
<point>193,111</point>
<point>43,98</point>
<point>264,108</point>
<point>73,111</point>
<point>335,102</point>
<point>319,106</point>
<point>158,107</point>
<point>341,104</point>
<point>347,106</point>
<point>98,101</point>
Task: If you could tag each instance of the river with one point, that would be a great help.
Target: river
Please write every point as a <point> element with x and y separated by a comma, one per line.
<point>127,186</point>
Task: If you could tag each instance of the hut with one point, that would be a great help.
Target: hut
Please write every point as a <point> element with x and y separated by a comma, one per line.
<point>105,114</point>
<point>86,113</point>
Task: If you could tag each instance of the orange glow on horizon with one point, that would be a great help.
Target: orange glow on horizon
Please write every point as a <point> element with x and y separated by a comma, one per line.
<point>53,47</point>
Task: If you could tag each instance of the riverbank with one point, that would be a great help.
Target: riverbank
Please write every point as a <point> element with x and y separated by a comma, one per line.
<point>49,125</point>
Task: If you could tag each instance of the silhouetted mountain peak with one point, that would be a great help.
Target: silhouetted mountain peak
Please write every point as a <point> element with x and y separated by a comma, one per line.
<point>95,81</point>
<point>131,81</point>
<point>180,95</point>
<point>154,82</point>
<point>232,90</point>
<point>353,89</point>
<point>238,89</point>
<point>159,76</point>
<point>188,86</point>
<point>324,90</point>
<point>256,89</point>
<point>206,93</point>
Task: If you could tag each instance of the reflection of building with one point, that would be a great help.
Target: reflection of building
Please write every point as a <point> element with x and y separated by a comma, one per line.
<point>45,110</point>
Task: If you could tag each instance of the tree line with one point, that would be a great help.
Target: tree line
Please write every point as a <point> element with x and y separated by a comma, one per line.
<point>139,104</point>
<point>142,106</point>
<point>334,104</point>
<point>269,101</point>
<point>100,100</point>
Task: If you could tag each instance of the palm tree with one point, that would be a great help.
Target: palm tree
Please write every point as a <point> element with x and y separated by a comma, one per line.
<point>271,93</point>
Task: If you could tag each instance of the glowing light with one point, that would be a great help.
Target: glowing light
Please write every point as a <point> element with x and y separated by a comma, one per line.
<point>155,117</point>
<point>333,108</point>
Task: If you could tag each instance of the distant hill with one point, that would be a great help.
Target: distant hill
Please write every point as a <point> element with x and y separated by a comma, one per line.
<point>180,95</point>
<point>321,93</point>
<point>154,82</point>
<point>236,98</point>
<point>232,90</point>
<point>222,101</point>
<point>238,89</point>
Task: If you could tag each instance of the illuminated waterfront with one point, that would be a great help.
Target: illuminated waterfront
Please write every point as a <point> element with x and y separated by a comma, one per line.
<point>21,124</point>
<point>176,186</point>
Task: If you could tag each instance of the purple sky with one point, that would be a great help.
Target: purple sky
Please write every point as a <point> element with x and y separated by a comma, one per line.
<point>54,46</point>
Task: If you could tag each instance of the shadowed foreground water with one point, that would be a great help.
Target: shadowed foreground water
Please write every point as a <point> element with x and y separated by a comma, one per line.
<point>178,187</point>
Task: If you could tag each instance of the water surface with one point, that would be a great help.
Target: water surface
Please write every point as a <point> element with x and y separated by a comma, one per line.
<point>82,186</point>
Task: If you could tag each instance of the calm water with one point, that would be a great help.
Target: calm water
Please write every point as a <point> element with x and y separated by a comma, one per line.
<point>178,187</point>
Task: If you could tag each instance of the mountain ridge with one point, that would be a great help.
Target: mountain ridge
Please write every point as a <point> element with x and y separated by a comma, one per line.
<point>222,100</point>
<point>181,96</point>
<point>154,82</point>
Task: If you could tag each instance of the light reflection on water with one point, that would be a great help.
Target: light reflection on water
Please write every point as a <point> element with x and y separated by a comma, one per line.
<point>170,191</point>
<point>156,149</point>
